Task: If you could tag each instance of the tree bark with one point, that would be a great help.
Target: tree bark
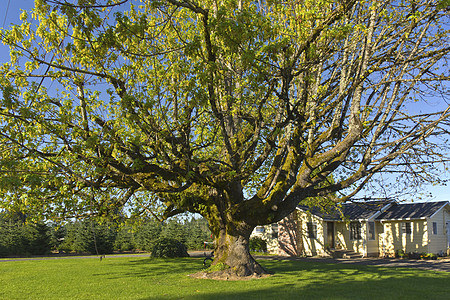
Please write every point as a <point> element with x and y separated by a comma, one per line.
<point>232,250</point>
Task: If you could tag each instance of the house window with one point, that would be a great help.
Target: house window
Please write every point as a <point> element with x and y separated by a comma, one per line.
<point>312,230</point>
<point>275,230</point>
<point>435,228</point>
<point>259,229</point>
<point>406,228</point>
<point>355,231</point>
<point>372,231</point>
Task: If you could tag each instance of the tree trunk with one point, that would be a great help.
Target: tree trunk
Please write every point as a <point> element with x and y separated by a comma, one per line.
<point>232,250</point>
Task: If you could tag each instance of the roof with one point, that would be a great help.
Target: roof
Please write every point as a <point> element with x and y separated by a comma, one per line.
<point>352,210</point>
<point>407,211</point>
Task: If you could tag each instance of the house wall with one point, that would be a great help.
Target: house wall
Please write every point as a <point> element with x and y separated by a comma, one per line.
<point>289,241</point>
<point>312,246</point>
<point>389,237</point>
<point>447,222</point>
<point>393,239</point>
<point>343,238</point>
<point>438,243</point>
<point>383,249</point>
<point>268,234</point>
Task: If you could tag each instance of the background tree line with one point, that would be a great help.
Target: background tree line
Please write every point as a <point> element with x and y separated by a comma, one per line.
<point>20,238</point>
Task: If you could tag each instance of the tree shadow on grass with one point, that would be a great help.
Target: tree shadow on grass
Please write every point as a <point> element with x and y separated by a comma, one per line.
<point>154,267</point>
<point>316,280</point>
<point>291,280</point>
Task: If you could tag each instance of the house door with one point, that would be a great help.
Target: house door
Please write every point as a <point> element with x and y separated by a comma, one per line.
<point>330,234</point>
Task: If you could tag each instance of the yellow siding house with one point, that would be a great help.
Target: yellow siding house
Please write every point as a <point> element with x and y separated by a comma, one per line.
<point>370,228</point>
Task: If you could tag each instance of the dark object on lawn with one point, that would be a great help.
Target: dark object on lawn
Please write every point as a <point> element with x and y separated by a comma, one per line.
<point>167,247</point>
<point>208,260</point>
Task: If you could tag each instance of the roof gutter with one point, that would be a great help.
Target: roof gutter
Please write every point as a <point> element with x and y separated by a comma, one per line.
<point>405,219</point>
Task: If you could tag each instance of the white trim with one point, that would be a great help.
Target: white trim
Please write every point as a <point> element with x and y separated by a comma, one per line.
<point>440,209</point>
<point>376,214</point>
<point>307,211</point>
<point>404,219</point>
<point>382,210</point>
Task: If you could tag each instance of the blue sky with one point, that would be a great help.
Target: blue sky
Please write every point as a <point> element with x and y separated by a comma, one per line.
<point>10,12</point>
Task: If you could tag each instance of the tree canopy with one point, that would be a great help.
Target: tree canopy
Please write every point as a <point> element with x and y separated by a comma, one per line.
<point>236,110</point>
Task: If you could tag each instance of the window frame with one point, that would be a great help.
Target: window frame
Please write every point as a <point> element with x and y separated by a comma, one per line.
<point>406,228</point>
<point>371,231</point>
<point>260,229</point>
<point>311,230</point>
<point>434,228</point>
<point>355,229</point>
<point>274,228</point>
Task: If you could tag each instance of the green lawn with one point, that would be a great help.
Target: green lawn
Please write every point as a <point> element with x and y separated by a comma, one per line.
<point>145,278</point>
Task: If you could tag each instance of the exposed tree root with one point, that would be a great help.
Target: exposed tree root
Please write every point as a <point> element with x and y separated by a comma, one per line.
<point>227,274</point>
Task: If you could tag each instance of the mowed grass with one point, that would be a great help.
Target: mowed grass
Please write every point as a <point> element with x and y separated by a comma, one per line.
<point>147,278</point>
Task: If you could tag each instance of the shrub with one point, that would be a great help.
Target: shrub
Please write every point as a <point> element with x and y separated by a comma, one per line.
<point>428,256</point>
<point>257,244</point>
<point>168,247</point>
<point>414,255</point>
<point>400,253</point>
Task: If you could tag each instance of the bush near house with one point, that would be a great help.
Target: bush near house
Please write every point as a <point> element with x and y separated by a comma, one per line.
<point>428,256</point>
<point>414,255</point>
<point>257,244</point>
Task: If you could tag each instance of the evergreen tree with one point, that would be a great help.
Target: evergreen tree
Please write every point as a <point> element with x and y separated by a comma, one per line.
<point>147,234</point>
<point>38,238</point>
<point>125,240</point>
<point>175,230</point>
<point>57,235</point>
<point>89,236</point>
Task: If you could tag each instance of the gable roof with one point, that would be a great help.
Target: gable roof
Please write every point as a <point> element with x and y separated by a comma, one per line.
<point>352,210</point>
<point>408,211</point>
<point>381,210</point>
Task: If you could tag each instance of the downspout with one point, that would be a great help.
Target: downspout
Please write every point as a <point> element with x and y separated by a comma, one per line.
<point>383,242</point>
<point>365,244</point>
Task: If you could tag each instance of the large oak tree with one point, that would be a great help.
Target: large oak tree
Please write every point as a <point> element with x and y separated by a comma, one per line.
<point>236,110</point>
